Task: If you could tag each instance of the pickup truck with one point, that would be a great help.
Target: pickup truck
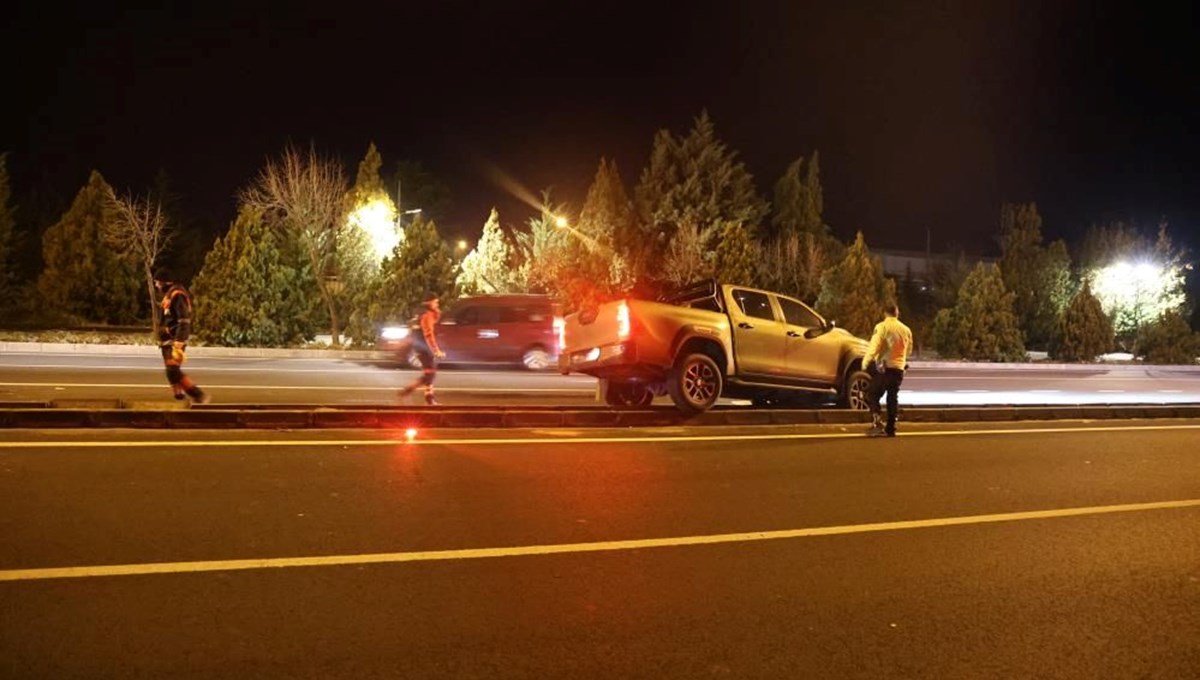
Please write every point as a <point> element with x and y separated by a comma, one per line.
<point>711,340</point>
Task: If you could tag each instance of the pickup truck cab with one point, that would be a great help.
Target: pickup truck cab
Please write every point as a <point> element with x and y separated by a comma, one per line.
<point>711,340</point>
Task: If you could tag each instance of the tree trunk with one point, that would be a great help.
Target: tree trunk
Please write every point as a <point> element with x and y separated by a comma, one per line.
<point>154,320</point>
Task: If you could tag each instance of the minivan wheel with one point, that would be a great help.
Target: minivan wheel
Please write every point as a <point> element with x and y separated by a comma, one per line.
<point>536,359</point>
<point>694,383</point>
<point>856,391</point>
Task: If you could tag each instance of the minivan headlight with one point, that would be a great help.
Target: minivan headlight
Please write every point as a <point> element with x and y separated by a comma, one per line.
<point>394,333</point>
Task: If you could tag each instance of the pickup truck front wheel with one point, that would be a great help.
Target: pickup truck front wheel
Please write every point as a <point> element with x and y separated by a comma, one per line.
<point>856,392</point>
<point>694,383</point>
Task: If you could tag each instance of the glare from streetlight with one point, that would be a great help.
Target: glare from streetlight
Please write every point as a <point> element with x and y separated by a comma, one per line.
<point>462,245</point>
<point>561,222</point>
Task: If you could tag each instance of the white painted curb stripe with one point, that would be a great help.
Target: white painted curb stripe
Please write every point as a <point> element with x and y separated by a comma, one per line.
<point>561,548</point>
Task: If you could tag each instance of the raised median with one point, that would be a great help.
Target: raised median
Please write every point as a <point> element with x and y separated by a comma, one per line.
<point>32,415</point>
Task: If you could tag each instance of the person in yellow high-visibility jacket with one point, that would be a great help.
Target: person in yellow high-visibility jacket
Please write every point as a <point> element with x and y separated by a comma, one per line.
<point>886,360</point>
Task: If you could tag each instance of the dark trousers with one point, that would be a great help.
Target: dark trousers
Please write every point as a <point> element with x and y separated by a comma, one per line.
<point>886,381</point>
<point>180,383</point>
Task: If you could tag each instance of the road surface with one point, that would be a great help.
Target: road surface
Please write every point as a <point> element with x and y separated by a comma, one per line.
<point>139,377</point>
<point>1061,551</point>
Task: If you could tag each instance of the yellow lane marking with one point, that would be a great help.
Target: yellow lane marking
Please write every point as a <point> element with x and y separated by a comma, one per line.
<point>647,439</point>
<point>561,548</point>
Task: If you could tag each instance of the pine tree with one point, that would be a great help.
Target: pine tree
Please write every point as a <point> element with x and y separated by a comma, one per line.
<point>1038,276</point>
<point>695,181</point>
<point>1169,340</point>
<point>609,232</point>
<point>371,230</point>
<point>1085,331</point>
<point>8,222</point>
<point>982,325</point>
<point>737,255</point>
<point>855,291</point>
<point>544,251</point>
<point>248,294</point>
<point>799,200</point>
<point>489,267</point>
<point>83,277</point>
<point>422,265</point>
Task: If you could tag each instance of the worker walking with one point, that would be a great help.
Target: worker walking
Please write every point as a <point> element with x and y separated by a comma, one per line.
<point>425,346</point>
<point>174,330</point>
<point>886,360</point>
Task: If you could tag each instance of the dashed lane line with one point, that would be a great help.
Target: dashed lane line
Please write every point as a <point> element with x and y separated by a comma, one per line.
<point>99,571</point>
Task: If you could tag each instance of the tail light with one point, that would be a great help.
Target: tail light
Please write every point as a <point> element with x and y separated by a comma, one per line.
<point>560,332</point>
<point>623,320</point>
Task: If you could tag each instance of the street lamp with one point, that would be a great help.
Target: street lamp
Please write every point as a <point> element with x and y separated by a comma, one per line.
<point>561,222</point>
<point>461,245</point>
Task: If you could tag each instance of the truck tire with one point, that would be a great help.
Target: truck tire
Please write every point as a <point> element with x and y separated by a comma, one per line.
<point>626,394</point>
<point>694,383</point>
<point>856,390</point>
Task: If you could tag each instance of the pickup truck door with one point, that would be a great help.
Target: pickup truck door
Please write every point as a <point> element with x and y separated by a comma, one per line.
<point>812,352</point>
<point>759,338</point>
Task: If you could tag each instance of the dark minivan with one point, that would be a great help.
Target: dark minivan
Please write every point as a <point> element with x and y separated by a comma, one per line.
<point>492,329</point>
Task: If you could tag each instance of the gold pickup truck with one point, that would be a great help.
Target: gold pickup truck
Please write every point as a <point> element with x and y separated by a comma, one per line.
<point>711,340</point>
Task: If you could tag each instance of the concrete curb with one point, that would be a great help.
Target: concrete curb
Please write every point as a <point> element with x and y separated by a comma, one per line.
<point>426,418</point>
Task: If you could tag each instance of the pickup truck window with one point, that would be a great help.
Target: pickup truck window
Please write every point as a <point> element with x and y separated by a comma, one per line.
<point>755,305</point>
<point>796,314</point>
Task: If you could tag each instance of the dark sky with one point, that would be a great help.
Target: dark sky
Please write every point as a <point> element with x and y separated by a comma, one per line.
<point>926,114</point>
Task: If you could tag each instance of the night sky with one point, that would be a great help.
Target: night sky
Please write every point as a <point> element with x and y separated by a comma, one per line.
<point>926,114</point>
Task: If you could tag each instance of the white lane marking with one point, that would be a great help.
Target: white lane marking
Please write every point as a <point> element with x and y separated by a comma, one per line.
<point>1045,391</point>
<point>573,441</point>
<point>561,548</point>
<point>972,391</point>
<point>1111,391</point>
<point>344,388</point>
<point>1171,391</point>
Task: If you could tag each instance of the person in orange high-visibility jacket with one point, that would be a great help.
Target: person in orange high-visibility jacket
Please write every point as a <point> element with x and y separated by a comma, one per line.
<point>425,346</point>
<point>174,330</point>
<point>886,360</point>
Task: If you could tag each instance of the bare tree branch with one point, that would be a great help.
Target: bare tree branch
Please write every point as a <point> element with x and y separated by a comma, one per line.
<point>140,231</point>
<point>306,194</point>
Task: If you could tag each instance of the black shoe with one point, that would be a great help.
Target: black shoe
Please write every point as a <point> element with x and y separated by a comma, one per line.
<point>429,400</point>
<point>180,396</point>
<point>200,396</point>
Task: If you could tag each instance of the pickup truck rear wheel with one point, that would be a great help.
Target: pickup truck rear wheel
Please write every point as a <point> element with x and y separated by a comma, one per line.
<point>856,391</point>
<point>626,394</point>
<point>694,383</point>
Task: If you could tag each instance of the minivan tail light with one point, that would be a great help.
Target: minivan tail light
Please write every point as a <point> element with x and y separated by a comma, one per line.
<point>623,320</point>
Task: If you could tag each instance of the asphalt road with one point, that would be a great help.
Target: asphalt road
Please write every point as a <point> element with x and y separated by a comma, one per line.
<point>1067,551</point>
<point>139,377</point>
